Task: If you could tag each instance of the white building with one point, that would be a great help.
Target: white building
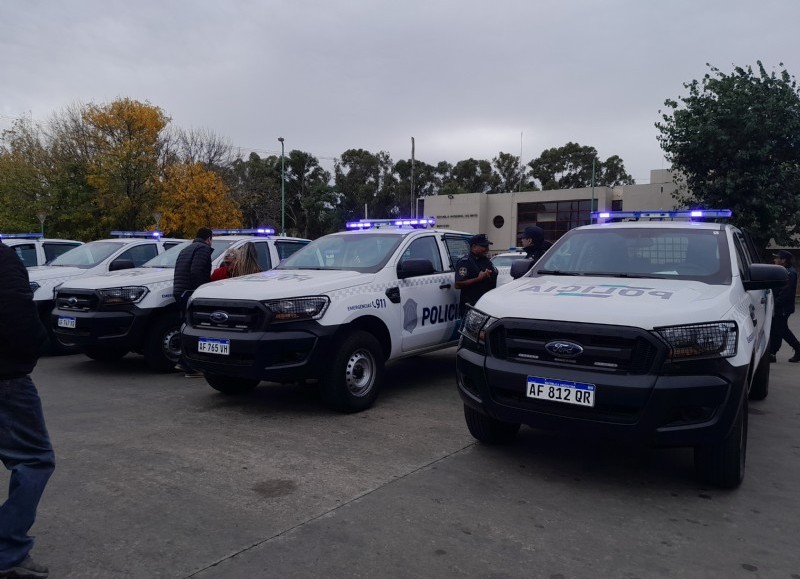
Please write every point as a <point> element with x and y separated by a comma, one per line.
<point>503,216</point>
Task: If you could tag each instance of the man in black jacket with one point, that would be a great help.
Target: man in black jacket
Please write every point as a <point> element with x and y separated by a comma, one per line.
<point>533,242</point>
<point>784,307</point>
<point>192,269</point>
<point>25,447</point>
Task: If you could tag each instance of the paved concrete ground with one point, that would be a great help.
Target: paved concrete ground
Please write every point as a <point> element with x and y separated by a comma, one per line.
<point>159,476</point>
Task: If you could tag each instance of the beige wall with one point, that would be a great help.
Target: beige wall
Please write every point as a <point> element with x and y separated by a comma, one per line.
<point>476,212</point>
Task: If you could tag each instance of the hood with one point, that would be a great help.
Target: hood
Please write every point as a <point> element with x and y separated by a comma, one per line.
<point>642,303</point>
<point>136,276</point>
<point>282,283</point>
<point>47,272</point>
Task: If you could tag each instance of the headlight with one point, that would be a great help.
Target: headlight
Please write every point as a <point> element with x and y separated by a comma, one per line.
<point>129,294</point>
<point>34,286</point>
<point>709,340</point>
<point>475,324</point>
<point>296,309</point>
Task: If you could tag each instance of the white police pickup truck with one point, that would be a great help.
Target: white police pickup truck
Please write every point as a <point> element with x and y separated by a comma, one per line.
<point>127,250</point>
<point>503,262</point>
<point>336,311</point>
<point>34,249</point>
<point>111,314</point>
<point>649,331</point>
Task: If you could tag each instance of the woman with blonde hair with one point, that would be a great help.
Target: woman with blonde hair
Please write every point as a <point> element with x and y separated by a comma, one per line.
<point>246,261</point>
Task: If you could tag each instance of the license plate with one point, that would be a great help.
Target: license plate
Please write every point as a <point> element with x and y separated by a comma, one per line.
<point>560,391</point>
<point>212,346</point>
<point>64,322</point>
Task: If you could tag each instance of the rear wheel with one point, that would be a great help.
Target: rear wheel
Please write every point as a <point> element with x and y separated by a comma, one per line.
<point>162,347</point>
<point>230,384</point>
<point>487,429</point>
<point>723,464</point>
<point>355,375</point>
<point>759,388</point>
<point>105,353</point>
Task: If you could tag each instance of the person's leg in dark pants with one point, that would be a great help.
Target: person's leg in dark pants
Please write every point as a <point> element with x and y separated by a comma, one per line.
<point>26,451</point>
<point>791,339</point>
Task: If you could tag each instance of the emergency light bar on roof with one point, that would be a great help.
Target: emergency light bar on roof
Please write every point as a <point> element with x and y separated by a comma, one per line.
<point>147,234</point>
<point>254,231</point>
<point>20,235</point>
<point>661,215</point>
<point>420,223</point>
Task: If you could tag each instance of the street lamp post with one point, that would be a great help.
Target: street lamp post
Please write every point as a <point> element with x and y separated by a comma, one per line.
<point>42,215</point>
<point>283,193</point>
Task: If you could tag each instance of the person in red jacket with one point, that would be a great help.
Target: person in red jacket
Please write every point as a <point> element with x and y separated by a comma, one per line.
<point>224,270</point>
<point>25,447</point>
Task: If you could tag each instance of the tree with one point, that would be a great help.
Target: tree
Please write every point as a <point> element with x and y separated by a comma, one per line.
<point>195,197</point>
<point>256,188</point>
<point>470,176</point>
<point>124,165</point>
<point>309,199</point>
<point>511,175</point>
<point>365,179</point>
<point>735,140</point>
<point>572,167</point>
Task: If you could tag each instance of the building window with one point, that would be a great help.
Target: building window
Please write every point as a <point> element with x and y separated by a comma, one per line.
<point>555,217</point>
<point>498,221</point>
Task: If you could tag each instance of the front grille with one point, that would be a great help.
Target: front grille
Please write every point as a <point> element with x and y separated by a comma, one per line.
<point>77,300</point>
<point>613,349</point>
<point>239,315</point>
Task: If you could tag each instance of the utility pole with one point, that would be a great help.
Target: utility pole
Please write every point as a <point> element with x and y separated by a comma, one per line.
<point>413,206</point>
<point>283,193</point>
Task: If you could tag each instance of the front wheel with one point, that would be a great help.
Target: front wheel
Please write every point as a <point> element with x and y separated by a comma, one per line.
<point>355,375</point>
<point>230,384</point>
<point>487,429</point>
<point>163,343</point>
<point>722,464</point>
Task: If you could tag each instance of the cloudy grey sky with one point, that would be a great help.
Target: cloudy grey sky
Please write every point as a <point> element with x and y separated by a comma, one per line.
<point>464,77</point>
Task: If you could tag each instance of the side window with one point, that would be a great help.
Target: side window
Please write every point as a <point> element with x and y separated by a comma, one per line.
<point>425,248</point>
<point>53,250</point>
<point>27,253</point>
<point>287,248</point>
<point>457,247</point>
<point>262,250</point>
<point>169,244</point>
<point>742,256</point>
<point>140,253</point>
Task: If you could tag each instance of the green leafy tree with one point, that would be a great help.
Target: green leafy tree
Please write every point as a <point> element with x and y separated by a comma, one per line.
<point>471,176</point>
<point>572,166</point>
<point>426,182</point>
<point>365,179</point>
<point>255,185</point>
<point>511,175</point>
<point>735,141</point>
<point>309,197</point>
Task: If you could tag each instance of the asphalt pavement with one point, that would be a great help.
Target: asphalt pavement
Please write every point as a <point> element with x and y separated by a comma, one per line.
<point>161,476</point>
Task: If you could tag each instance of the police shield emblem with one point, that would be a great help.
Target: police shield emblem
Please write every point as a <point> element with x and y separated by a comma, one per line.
<point>462,271</point>
<point>409,315</point>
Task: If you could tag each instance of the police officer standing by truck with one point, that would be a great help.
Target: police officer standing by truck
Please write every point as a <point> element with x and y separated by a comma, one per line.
<point>475,274</point>
<point>533,242</point>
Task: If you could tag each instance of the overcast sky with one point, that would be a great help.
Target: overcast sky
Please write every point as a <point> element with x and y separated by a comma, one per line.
<point>464,77</point>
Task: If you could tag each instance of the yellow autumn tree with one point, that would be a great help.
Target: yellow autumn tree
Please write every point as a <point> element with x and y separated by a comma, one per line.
<point>126,143</point>
<point>194,197</point>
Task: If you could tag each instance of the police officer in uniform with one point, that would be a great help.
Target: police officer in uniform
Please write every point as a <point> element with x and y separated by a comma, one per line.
<point>533,242</point>
<point>475,274</point>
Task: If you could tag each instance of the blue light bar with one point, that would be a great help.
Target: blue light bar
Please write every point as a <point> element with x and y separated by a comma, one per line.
<point>420,223</point>
<point>148,234</point>
<point>20,236</point>
<point>252,231</point>
<point>674,214</point>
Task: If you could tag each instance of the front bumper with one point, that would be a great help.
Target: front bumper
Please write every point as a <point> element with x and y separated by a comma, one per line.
<point>118,328</point>
<point>684,404</point>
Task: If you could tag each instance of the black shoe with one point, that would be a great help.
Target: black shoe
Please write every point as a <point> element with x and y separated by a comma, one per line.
<point>26,569</point>
<point>772,358</point>
<point>796,357</point>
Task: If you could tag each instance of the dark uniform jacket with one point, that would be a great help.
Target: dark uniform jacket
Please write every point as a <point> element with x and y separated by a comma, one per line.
<point>784,297</point>
<point>21,332</point>
<point>193,268</point>
<point>469,267</point>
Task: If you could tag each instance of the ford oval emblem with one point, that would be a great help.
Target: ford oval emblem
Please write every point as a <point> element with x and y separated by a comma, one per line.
<point>73,301</point>
<point>219,317</point>
<point>564,349</point>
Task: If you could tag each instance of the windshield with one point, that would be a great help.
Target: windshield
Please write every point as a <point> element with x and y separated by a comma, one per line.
<point>367,252</point>
<point>669,253</point>
<point>506,260</point>
<point>169,257</point>
<point>87,255</point>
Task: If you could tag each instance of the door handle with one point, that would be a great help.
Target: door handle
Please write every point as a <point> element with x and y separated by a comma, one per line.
<point>444,286</point>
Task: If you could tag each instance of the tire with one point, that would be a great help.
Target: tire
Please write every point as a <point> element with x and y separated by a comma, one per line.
<point>723,464</point>
<point>355,373</point>
<point>104,353</point>
<point>759,387</point>
<point>487,429</point>
<point>162,347</point>
<point>230,384</point>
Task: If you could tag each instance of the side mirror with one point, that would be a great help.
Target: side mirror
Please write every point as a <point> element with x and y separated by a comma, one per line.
<point>521,267</point>
<point>414,267</point>
<point>119,264</point>
<point>765,276</point>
